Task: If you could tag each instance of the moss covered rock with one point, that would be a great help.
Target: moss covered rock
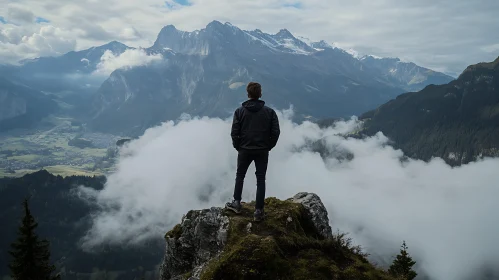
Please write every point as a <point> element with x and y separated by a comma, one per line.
<point>293,242</point>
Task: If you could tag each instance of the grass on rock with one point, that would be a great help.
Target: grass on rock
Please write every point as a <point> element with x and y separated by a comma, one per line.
<point>285,245</point>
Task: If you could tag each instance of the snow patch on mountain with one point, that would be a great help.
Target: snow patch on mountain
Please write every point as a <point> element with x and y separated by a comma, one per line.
<point>372,56</point>
<point>354,53</point>
<point>317,46</point>
<point>283,41</point>
<point>291,45</point>
<point>263,38</point>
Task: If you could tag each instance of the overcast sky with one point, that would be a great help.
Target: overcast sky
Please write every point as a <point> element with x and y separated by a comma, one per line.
<point>445,35</point>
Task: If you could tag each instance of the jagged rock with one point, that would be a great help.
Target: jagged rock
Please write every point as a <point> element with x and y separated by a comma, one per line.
<point>293,242</point>
<point>200,236</point>
<point>317,212</point>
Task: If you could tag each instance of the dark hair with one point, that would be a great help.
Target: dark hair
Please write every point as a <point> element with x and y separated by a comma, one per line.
<point>254,90</point>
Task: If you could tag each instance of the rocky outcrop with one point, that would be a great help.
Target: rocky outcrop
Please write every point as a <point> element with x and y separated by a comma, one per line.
<point>316,212</point>
<point>293,242</point>
<point>199,237</point>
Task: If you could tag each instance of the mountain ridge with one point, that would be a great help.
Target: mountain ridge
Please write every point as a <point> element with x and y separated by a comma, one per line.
<point>202,72</point>
<point>457,121</point>
<point>22,106</point>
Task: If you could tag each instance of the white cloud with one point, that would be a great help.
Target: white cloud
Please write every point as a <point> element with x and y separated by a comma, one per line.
<point>129,33</point>
<point>447,215</point>
<point>426,32</point>
<point>50,40</point>
<point>10,34</point>
<point>45,40</point>
<point>128,59</point>
<point>494,48</point>
<point>19,15</point>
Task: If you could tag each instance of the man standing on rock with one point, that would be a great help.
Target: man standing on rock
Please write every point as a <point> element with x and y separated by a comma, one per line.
<point>255,131</point>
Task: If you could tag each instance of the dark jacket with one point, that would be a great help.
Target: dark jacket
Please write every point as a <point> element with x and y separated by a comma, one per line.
<point>255,126</point>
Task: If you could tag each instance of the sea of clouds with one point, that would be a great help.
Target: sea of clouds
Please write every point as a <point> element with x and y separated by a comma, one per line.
<point>448,216</point>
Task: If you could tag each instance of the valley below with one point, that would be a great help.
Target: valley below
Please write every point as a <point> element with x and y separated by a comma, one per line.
<point>59,145</point>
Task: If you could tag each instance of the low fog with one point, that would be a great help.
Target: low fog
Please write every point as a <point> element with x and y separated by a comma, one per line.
<point>448,216</point>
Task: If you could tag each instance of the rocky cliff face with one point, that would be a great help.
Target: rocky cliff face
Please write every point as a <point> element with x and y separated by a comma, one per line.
<point>189,246</point>
<point>295,241</point>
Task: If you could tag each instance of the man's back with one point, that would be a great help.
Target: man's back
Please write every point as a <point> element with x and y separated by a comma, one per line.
<point>255,126</point>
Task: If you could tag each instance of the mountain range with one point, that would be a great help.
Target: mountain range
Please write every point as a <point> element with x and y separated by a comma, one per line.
<point>458,121</point>
<point>204,72</point>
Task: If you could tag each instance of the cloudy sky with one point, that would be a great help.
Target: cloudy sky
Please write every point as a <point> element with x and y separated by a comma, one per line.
<point>445,35</point>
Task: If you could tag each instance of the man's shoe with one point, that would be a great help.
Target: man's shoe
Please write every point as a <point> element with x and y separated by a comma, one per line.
<point>259,215</point>
<point>235,206</point>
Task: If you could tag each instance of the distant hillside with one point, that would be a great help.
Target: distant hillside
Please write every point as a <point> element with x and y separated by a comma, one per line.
<point>411,76</point>
<point>63,219</point>
<point>458,121</point>
<point>21,106</point>
<point>68,73</point>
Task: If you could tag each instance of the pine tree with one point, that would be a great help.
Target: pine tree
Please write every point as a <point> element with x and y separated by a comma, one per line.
<point>30,255</point>
<point>402,265</point>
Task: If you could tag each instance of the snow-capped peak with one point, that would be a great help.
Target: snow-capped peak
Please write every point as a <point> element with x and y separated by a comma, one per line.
<point>322,45</point>
<point>318,46</point>
<point>282,41</point>
<point>284,33</point>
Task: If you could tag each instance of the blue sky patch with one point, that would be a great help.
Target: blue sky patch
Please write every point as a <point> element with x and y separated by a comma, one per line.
<point>182,2</point>
<point>170,4</point>
<point>40,20</point>
<point>2,20</point>
<point>296,5</point>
